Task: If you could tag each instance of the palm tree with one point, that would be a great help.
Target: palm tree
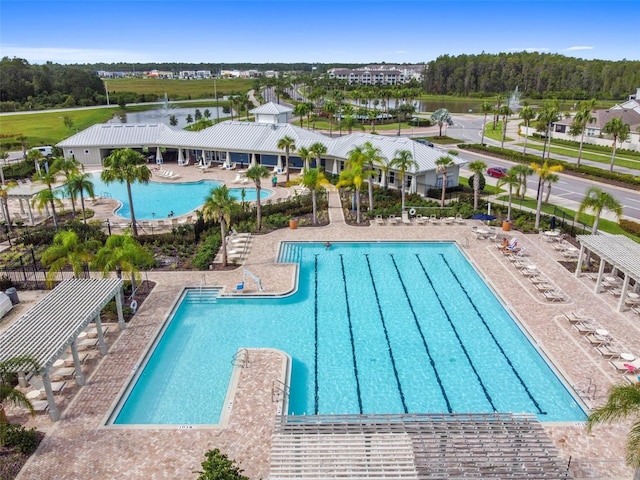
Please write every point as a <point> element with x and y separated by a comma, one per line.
<point>66,249</point>
<point>619,131</point>
<point>48,196</point>
<point>300,111</point>
<point>128,166</point>
<point>4,195</point>
<point>580,121</point>
<point>441,167</point>
<point>305,155</point>
<point>543,171</point>
<point>403,162</point>
<point>68,167</point>
<point>597,200</point>
<point>256,173</point>
<point>330,108</point>
<point>353,175</point>
<point>348,122</point>
<point>511,179</point>
<point>551,179</point>
<point>8,394</point>
<point>442,117</point>
<point>77,184</point>
<point>547,116</point>
<point>477,168</point>
<point>314,179</point>
<point>623,402</point>
<point>527,114</point>
<point>505,111</point>
<point>485,108</point>
<point>521,171</point>
<point>372,157</point>
<point>318,150</point>
<point>123,253</point>
<point>218,206</point>
<point>287,144</point>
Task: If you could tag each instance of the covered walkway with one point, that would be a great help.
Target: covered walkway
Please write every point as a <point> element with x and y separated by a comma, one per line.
<point>46,331</point>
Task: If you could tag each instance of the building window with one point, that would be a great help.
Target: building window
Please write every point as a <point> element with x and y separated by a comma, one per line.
<point>407,181</point>
<point>392,178</point>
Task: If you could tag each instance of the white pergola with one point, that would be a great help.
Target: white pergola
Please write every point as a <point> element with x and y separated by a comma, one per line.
<point>51,326</point>
<point>622,253</point>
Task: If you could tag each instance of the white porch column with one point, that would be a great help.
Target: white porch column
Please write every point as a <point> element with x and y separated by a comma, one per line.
<point>600,273</point>
<point>76,363</point>
<point>254,161</point>
<point>279,163</point>
<point>22,206</point>
<point>101,345</point>
<point>625,288</point>
<point>119,296</point>
<point>580,257</point>
<point>54,414</point>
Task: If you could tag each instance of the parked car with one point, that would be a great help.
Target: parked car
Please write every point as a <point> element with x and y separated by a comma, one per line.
<point>497,172</point>
<point>425,142</point>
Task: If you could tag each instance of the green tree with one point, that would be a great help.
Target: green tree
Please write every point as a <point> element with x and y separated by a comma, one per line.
<point>314,179</point>
<point>79,183</point>
<point>477,168</point>
<point>123,253</point>
<point>353,175</point>
<point>66,250</point>
<point>527,114</point>
<point>372,157</point>
<point>300,110</point>
<point>318,150</point>
<point>512,180</point>
<point>403,162</point>
<point>442,117</point>
<point>8,394</point>
<point>217,466</point>
<point>597,200</point>
<point>330,108</point>
<point>548,115</point>
<point>619,131</point>
<point>442,164</point>
<point>505,111</point>
<point>218,206</point>
<point>4,196</point>
<point>126,166</point>
<point>257,173</point>
<point>580,122</point>
<point>48,196</point>
<point>305,155</point>
<point>287,144</point>
<point>550,180</point>
<point>623,402</point>
<point>68,167</point>
<point>521,171</point>
<point>485,108</point>
<point>543,171</point>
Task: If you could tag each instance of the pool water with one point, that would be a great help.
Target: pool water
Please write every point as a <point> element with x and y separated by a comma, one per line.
<point>372,328</point>
<point>156,200</point>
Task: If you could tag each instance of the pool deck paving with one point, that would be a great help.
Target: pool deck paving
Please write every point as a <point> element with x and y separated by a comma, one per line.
<point>81,446</point>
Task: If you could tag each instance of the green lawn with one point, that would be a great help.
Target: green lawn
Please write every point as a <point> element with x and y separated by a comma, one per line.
<point>621,160</point>
<point>179,89</point>
<point>496,134</point>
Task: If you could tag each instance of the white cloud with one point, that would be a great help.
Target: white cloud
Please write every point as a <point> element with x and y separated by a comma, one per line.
<point>73,55</point>
<point>529,49</point>
<point>578,47</point>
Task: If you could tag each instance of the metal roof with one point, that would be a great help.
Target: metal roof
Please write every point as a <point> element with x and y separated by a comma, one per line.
<point>46,330</point>
<point>118,135</point>
<point>270,109</point>
<point>618,250</point>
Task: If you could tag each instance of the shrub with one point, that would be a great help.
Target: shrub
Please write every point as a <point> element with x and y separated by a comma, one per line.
<point>630,226</point>
<point>23,440</point>
<point>482,181</point>
<point>217,466</point>
<point>207,251</point>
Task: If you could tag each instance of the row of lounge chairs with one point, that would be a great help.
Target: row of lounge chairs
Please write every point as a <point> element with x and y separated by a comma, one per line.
<point>541,283</point>
<point>617,354</point>
<point>613,285</point>
<point>566,249</point>
<point>163,172</point>
<point>418,219</point>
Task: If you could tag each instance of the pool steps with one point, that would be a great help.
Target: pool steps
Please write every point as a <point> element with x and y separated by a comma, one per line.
<point>202,295</point>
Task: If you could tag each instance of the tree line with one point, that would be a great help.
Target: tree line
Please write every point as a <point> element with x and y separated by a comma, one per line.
<point>34,87</point>
<point>536,75</point>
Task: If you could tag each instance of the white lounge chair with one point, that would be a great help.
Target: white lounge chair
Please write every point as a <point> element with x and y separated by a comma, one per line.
<point>420,220</point>
<point>393,220</point>
<point>379,219</point>
<point>553,296</point>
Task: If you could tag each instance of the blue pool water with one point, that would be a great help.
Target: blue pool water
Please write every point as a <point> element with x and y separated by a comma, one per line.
<point>372,328</point>
<point>155,200</point>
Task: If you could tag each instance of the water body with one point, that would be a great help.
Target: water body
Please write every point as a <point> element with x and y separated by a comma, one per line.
<point>163,115</point>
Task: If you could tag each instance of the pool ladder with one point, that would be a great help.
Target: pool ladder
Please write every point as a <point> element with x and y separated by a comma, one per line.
<point>241,358</point>
<point>279,391</point>
<point>586,389</point>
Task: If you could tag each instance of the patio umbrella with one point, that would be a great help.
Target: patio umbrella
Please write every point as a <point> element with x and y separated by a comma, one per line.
<point>483,216</point>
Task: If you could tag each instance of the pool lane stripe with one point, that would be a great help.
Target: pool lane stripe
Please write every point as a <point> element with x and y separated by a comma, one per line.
<point>424,341</point>
<point>386,335</point>
<point>455,331</point>
<point>513,368</point>
<point>315,327</point>
<point>353,346</point>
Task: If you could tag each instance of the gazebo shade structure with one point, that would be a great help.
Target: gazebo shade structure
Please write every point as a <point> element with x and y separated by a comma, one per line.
<point>51,326</point>
<point>622,253</point>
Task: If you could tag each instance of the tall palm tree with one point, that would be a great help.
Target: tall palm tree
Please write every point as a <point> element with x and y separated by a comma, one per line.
<point>77,184</point>
<point>318,150</point>
<point>527,114</point>
<point>403,162</point>
<point>8,394</point>
<point>543,171</point>
<point>372,158</point>
<point>521,171</point>
<point>597,200</point>
<point>330,109</point>
<point>48,196</point>
<point>485,108</point>
<point>314,179</point>
<point>4,196</point>
<point>512,180</point>
<point>66,249</point>
<point>287,144</point>
<point>218,206</point>
<point>505,111</point>
<point>551,179</point>
<point>123,253</point>
<point>68,167</point>
<point>441,167</point>
<point>547,116</point>
<point>619,131</point>
<point>442,117</point>
<point>126,166</point>
<point>257,173</point>
<point>477,168</point>
<point>299,111</point>
<point>305,155</point>
<point>580,121</point>
<point>353,175</point>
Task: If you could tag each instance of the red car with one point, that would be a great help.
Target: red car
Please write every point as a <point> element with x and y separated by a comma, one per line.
<point>497,172</point>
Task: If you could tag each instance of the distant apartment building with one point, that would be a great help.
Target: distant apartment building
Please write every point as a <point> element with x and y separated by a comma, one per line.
<point>378,74</point>
<point>194,74</point>
<point>159,74</point>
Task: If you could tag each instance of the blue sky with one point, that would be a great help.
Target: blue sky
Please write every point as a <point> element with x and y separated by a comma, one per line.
<point>324,31</point>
